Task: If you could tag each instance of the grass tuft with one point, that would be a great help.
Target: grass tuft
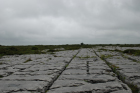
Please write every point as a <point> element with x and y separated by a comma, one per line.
<point>105,56</point>
<point>1,76</point>
<point>28,60</point>
<point>134,88</point>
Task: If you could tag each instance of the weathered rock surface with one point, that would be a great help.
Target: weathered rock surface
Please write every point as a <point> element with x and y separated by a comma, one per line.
<point>34,76</point>
<point>128,70</point>
<point>60,73</point>
<point>87,75</point>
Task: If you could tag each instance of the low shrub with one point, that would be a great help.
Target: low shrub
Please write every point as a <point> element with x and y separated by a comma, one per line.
<point>34,48</point>
<point>51,50</point>
<point>132,51</point>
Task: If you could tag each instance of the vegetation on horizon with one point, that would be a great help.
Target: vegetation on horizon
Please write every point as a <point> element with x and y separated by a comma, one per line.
<point>37,49</point>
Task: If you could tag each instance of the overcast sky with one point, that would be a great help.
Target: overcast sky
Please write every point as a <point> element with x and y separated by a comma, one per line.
<point>33,22</point>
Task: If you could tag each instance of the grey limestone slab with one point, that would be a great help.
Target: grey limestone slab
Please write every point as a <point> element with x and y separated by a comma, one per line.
<point>91,88</point>
<point>29,78</point>
<point>14,86</point>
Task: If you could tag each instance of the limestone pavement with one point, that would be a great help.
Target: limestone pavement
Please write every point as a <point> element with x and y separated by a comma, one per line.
<point>73,71</point>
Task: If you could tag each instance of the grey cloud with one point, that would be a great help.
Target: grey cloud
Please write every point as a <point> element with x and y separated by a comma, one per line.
<point>69,21</point>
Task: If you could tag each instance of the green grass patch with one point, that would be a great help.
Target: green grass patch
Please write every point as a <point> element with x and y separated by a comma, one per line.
<point>1,76</point>
<point>124,56</point>
<point>134,88</point>
<point>102,49</point>
<point>130,45</point>
<point>105,56</point>
<point>36,49</point>
<point>132,51</point>
<point>19,50</point>
<point>67,65</point>
<point>85,57</point>
<point>116,50</point>
<point>114,67</point>
<point>1,55</point>
<point>51,50</point>
<point>28,60</point>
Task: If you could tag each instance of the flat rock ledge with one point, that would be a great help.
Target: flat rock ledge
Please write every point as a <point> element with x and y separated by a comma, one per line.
<point>73,71</point>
